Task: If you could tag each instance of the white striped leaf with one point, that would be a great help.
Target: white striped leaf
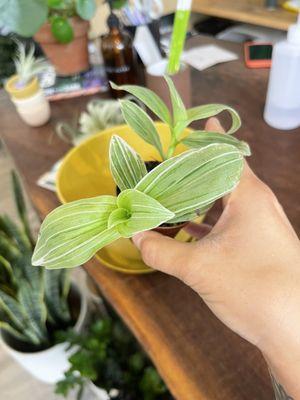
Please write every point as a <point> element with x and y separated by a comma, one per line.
<point>149,98</point>
<point>192,181</point>
<point>199,139</point>
<point>179,111</point>
<point>141,123</point>
<point>210,110</point>
<point>126,165</point>
<point>74,232</point>
<point>137,212</point>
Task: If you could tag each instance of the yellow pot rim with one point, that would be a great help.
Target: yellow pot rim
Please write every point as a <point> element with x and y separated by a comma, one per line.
<point>27,91</point>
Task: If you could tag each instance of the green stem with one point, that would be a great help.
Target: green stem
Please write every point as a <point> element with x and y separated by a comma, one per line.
<point>173,144</point>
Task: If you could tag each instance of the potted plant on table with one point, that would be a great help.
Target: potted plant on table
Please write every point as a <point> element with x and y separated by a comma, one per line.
<point>109,362</point>
<point>175,191</point>
<point>59,26</point>
<point>24,88</point>
<point>34,303</point>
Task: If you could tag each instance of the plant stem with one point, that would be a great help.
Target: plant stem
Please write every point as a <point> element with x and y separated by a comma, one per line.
<point>173,144</point>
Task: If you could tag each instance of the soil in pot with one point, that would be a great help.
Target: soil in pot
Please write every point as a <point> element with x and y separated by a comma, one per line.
<point>165,229</point>
<point>25,347</point>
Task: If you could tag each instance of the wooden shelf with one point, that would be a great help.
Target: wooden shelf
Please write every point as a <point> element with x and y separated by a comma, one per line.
<point>249,11</point>
<point>199,358</point>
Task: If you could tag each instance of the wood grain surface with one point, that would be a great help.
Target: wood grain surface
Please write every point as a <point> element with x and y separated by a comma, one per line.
<point>198,357</point>
<point>248,11</point>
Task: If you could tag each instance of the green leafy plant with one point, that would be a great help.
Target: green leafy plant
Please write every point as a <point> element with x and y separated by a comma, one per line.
<point>109,356</point>
<point>27,65</point>
<point>177,190</point>
<point>33,302</point>
<point>178,120</point>
<point>25,17</point>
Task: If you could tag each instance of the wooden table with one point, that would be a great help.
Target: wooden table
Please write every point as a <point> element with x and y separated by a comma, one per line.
<point>248,11</point>
<point>199,358</point>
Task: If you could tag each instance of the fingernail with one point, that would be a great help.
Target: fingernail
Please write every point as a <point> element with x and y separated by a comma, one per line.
<point>216,121</point>
<point>137,239</point>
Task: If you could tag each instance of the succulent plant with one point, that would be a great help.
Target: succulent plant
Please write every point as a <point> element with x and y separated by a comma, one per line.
<point>33,301</point>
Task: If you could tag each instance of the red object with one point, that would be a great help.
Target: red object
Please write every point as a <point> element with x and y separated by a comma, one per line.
<point>258,54</point>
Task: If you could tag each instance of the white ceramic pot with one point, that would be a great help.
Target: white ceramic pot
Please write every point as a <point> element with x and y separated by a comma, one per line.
<point>98,393</point>
<point>49,365</point>
<point>34,110</point>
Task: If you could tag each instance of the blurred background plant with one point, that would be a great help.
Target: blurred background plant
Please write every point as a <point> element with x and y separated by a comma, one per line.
<point>109,356</point>
<point>33,301</point>
<point>26,17</point>
<point>100,115</point>
<point>27,65</point>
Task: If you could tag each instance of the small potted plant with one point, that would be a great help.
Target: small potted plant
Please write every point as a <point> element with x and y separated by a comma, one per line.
<point>174,192</point>
<point>109,362</point>
<point>59,26</point>
<point>24,88</point>
<point>34,304</point>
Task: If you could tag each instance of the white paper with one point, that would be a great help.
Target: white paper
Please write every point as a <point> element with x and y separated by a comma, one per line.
<point>203,57</point>
<point>146,46</point>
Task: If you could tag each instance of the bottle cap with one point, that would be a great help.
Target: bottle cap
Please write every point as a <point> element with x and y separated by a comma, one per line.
<point>113,21</point>
<point>294,33</point>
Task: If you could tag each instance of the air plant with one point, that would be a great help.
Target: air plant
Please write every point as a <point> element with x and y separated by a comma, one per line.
<point>177,190</point>
<point>27,65</point>
<point>100,115</point>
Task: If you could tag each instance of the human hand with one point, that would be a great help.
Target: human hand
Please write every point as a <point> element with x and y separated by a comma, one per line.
<point>246,269</point>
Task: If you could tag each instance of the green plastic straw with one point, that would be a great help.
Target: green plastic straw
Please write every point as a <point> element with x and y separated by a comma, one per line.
<point>182,17</point>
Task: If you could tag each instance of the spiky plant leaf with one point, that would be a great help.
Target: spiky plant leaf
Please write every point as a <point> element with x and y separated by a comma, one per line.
<point>15,233</point>
<point>137,212</point>
<point>149,98</point>
<point>199,139</point>
<point>21,206</point>
<point>7,274</point>
<point>56,301</point>
<point>33,306</point>
<point>74,232</point>
<point>8,248</point>
<point>142,124</point>
<point>6,326</point>
<point>11,307</point>
<point>126,165</point>
<point>210,110</point>
<point>193,180</point>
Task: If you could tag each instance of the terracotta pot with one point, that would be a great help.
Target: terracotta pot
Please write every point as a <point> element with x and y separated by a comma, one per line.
<point>182,81</point>
<point>71,58</point>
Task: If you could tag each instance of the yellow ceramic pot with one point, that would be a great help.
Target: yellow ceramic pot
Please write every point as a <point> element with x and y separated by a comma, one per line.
<point>28,90</point>
<point>85,172</point>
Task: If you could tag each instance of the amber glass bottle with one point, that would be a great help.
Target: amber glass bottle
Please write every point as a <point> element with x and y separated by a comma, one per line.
<point>118,55</point>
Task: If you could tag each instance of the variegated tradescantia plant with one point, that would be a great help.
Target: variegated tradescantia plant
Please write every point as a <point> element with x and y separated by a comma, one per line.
<point>177,190</point>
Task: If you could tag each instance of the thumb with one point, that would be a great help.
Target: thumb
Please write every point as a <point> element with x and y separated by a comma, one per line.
<point>163,253</point>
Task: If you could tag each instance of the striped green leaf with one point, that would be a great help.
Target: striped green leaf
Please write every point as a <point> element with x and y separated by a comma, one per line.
<point>210,110</point>
<point>137,212</point>
<point>179,111</point>
<point>126,165</point>
<point>191,182</point>
<point>33,306</point>
<point>6,326</point>
<point>199,139</point>
<point>149,98</point>
<point>141,123</point>
<point>10,306</point>
<point>74,232</point>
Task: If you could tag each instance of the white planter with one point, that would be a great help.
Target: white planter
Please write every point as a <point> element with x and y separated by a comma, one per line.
<point>34,110</point>
<point>101,394</point>
<point>49,365</point>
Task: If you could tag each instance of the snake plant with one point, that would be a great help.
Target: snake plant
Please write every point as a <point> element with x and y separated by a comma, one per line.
<point>33,301</point>
<point>177,190</point>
